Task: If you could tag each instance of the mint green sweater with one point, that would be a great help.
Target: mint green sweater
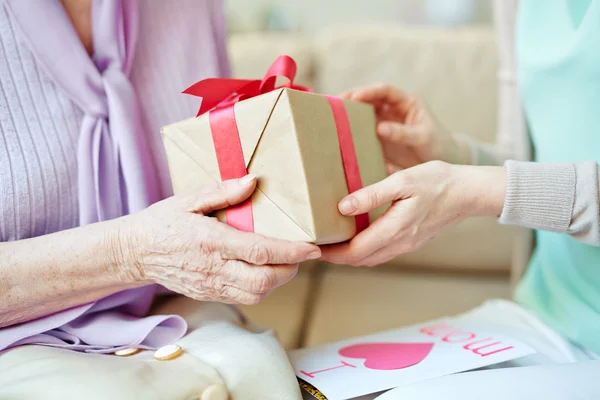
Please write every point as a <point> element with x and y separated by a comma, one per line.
<point>558,61</point>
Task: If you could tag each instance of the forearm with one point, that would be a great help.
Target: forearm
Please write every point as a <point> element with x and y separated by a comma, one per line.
<point>557,197</point>
<point>482,190</point>
<point>50,273</point>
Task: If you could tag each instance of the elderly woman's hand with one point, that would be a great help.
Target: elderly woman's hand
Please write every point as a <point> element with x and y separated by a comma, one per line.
<point>425,199</point>
<point>175,244</point>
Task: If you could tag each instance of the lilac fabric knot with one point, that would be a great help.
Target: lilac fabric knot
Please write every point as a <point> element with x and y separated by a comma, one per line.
<point>116,172</point>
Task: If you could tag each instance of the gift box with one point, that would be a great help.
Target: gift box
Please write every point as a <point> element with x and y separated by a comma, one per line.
<point>308,151</point>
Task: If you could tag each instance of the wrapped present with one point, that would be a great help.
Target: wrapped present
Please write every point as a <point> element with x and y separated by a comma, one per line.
<point>308,151</point>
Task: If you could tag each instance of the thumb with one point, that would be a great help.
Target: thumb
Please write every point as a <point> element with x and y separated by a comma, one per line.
<point>395,132</point>
<point>220,195</point>
<point>371,197</point>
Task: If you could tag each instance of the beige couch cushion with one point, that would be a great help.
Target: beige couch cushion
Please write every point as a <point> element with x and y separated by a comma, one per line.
<point>353,302</point>
<point>452,70</point>
<point>477,244</point>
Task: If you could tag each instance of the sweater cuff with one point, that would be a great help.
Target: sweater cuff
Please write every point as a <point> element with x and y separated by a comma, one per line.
<point>539,195</point>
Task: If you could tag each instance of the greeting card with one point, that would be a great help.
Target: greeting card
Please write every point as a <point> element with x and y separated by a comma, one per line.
<point>376,363</point>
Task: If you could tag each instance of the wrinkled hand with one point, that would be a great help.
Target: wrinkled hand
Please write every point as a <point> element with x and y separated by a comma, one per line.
<point>408,132</point>
<point>425,199</point>
<point>175,244</point>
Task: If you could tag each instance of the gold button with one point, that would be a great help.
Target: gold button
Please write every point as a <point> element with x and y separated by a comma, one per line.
<point>168,352</point>
<point>217,391</point>
<point>127,352</point>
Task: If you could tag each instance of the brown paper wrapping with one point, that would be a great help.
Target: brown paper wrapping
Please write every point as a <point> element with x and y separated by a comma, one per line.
<point>289,140</point>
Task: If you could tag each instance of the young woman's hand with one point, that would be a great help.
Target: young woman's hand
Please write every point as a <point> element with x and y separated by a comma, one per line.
<point>425,199</point>
<point>408,131</point>
<point>175,244</point>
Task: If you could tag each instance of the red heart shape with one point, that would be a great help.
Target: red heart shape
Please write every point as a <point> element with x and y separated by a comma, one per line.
<point>388,356</point>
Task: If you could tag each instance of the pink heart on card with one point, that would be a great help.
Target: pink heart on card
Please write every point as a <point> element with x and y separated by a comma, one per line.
<point>388,356</point>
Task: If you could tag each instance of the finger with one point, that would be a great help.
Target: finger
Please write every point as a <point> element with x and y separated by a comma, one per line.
<point>347,95</point>
<point>260,250</point>
<point>257,279</point>
<point>342,254</point>
<point>378,235</point>
<point>384,254</point>
<point>224,294</point>
<point>385,230</point>
<point>337,254</point>
<point>220,195</point>
<point>371,197</point>
<point>234,295</point>
<point>395,132</point>
<point>391,168</point>
<point>382,92</point>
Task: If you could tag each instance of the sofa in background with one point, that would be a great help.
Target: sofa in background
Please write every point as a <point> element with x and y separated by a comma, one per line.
<point>454,71</point>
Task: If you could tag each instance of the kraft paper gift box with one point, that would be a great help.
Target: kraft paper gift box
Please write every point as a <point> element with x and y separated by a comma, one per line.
<point>290,140</point>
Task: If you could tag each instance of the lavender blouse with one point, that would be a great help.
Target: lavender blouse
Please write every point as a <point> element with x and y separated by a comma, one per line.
<point>80,143</point>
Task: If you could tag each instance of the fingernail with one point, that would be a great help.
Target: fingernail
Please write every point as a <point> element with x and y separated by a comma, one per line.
<point>348,205</point>
<point>314,255</point>
<point>247,180</point>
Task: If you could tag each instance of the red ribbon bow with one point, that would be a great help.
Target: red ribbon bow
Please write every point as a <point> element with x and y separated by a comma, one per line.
<point>220,93</point>
<point>219,97</point>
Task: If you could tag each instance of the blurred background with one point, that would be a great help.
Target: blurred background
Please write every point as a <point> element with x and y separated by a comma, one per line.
<point>445,52</point>
<point>310,16</point>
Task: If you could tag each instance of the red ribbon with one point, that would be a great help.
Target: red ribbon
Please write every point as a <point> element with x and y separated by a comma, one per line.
<point>219,97</point>
<point>230,158</point>
<point>221,93</point>
<point>351,170</point>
